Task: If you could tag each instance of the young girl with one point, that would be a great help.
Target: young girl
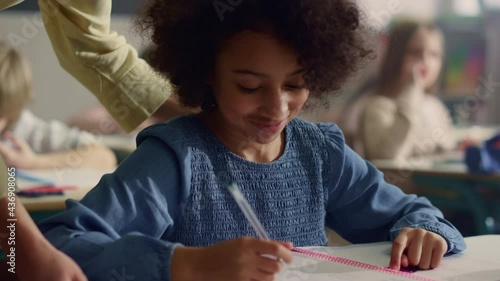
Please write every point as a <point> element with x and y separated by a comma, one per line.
<point>31,142</point>
<point>404,118</point>
<point>166,213</point>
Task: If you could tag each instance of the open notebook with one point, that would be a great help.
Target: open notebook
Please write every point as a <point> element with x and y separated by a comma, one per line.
<point>481,262</point>
<point>316,266</point>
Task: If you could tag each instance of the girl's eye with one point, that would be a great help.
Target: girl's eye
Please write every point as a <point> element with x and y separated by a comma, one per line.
<point>296,87</point>
<point>248,90</point>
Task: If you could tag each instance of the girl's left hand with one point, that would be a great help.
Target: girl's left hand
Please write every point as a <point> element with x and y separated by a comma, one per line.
<point>417,247</point>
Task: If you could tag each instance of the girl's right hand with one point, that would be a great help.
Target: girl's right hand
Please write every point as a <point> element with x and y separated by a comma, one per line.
<point>234,260</point>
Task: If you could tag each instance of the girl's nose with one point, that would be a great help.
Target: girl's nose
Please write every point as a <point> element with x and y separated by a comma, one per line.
<point>276,103</point>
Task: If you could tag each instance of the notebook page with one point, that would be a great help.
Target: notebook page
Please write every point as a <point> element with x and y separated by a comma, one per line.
<point>481,260</point>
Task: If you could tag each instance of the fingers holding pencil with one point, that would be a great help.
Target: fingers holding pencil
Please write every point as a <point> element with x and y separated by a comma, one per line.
<point>244,258</point>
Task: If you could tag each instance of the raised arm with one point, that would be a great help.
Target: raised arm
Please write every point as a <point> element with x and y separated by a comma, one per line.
<point>104,62</point>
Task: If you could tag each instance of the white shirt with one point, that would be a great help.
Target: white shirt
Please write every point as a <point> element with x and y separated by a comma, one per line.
<point>52,136</point>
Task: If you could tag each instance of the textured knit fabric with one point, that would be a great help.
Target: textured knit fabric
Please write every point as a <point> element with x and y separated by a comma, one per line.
<point>413,124</point>
<point>102,60</point>
<point>172,191</point>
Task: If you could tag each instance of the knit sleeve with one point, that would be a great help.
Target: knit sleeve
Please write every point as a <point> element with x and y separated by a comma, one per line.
<point>363,208</point>
<point>117,228</point>
<point>102,60</point>
<point>388,129</point>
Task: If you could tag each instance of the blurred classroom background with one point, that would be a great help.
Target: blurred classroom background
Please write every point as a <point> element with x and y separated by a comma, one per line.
<point>472,54</point>
<point>469,86</point>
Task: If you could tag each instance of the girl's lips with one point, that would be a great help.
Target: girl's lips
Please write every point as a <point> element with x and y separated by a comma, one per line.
<point>269,127</point>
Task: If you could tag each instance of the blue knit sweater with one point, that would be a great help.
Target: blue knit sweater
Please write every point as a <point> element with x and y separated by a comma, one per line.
<point>173,191</point>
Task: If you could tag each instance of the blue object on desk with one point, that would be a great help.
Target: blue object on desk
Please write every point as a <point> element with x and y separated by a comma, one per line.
<point>29,177</point>
<point>44,190</point>
<point>38,193</point>
<point>484,159</point>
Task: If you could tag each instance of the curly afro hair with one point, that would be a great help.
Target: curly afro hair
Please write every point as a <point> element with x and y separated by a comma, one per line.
<point>327,34</point>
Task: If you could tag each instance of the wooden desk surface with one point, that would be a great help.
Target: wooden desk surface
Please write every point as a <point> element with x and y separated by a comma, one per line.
<point>53,202</point>
<point>448,165</point>
<point>83,179</point>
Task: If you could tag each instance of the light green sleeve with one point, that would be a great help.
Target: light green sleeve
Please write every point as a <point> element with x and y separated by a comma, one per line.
<point>4,4</point>
<point>102,60</point>
<point>3,178</point>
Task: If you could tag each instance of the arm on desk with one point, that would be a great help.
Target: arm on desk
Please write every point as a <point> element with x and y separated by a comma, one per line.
<point>363,208</point>
<point>118,225</point>
<point>36,258</point>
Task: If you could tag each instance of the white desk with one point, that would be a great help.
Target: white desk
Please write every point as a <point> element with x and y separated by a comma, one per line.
<point>480,262</point>
<point>444,179</point>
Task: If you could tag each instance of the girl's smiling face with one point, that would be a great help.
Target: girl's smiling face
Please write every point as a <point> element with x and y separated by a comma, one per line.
<point>258,87</point>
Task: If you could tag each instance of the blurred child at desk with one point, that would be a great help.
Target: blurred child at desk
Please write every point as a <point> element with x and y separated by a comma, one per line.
<point>167,203</point>
<point>31,142</point>
<point>404,117</point>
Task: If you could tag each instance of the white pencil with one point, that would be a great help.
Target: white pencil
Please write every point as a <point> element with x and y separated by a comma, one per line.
<point>247,211</point>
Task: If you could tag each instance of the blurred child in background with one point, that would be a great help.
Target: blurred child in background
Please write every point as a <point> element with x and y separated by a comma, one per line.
<point>31,143</point>
<point>404,117</point>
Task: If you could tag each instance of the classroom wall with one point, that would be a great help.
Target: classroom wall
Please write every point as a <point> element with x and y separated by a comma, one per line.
<point>493,66</point>
<point>57,94</point>
<point>380,12</point>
